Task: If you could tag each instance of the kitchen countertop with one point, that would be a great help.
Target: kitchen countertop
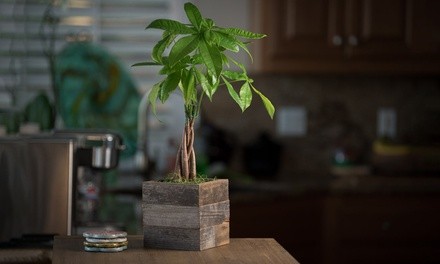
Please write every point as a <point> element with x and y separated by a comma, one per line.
<point>69,249</point>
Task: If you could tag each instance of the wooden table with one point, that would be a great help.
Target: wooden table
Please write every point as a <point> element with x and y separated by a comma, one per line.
<point>70,249</point>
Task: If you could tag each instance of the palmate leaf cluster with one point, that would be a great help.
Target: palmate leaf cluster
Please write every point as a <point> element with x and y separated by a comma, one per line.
<point>197,58</point>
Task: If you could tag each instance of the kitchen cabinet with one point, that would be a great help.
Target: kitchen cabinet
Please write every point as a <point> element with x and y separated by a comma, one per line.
<point>381,228</point>
<point>350,36</point>
<point>295,223</point>
<point>346,227</point>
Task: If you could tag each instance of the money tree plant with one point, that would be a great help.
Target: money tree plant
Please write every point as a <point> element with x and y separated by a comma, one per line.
<point>194,60</point>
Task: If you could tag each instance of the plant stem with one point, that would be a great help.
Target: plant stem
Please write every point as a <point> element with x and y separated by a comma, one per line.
<point>185,167</point>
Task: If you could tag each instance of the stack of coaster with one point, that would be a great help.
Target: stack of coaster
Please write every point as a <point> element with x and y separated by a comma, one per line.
<point>105,241</point>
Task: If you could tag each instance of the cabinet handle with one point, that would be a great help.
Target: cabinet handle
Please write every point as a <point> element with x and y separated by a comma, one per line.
<point>353,40</point>
<point>337,40</point>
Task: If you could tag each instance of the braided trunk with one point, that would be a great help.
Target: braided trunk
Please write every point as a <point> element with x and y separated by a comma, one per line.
<point>185,167</point>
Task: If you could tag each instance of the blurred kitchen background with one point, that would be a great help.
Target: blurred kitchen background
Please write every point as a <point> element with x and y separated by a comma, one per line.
<point>348,170</point>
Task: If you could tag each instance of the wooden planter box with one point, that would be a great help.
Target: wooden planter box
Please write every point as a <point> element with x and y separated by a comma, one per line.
<point>185,216</point>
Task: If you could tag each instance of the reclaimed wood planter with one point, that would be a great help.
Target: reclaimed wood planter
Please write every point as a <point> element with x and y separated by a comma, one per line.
<point>185,216</point>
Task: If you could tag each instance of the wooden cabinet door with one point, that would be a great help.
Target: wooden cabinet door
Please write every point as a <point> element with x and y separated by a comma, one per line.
<point>377,29</point>
<point>351,36</point>
<point>426,28</point>
<point>302,34</point>
<point>363,228</point>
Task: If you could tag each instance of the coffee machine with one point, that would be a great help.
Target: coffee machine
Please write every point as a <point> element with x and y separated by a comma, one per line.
<point>42,180</point>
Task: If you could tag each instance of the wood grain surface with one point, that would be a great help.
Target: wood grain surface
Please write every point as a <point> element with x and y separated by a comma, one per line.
<point>69,249</point>
<point>185,216</point>
<point>166,193</point>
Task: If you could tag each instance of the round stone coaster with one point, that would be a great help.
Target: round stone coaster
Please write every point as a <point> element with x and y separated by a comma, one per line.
<point>97,249</point>
<point>106,240</point>
<point>106,244</point>
<point>104,234</point>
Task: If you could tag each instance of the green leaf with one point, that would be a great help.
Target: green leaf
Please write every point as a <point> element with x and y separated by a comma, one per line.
<point>225,60</point>
<point>242,33</point>
<point>243,46</point>
<point>234,94</point>
<point>165,70</point>
<point>183,75</point>
<point>212,78</point>
<point>153,95</point>
<point>215,82</point>
<point>211,57</point>
<point>208,36</point>
<point>197,59</point>
<point>267,103</point>
<point>209,22</point>
<point>193,14</point>
<point>183,47</point>
<point>183,61</point>
<point>160,47</point>
<point>226,41</point>
<point>168,86</point>
<point>188,85</point>
<point>245,95</point>
<point>172,26</point>
<point>206,87</point>
<point>235,76</point>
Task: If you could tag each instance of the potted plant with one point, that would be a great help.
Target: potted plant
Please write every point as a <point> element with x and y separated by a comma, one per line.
<point>187,211</point>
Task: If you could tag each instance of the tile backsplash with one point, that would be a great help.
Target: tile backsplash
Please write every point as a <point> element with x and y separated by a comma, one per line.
<point>340,109</point>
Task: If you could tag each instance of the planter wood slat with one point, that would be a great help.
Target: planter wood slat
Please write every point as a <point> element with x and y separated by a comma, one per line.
<point>185,216</point>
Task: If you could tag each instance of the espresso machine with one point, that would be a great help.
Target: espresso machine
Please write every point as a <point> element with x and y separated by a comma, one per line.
<point>45,180</point>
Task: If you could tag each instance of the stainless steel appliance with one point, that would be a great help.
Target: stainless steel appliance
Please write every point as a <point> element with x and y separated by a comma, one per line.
<point>40,176</point>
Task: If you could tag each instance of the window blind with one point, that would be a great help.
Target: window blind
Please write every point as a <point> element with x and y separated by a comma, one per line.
<point>29,26</point>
